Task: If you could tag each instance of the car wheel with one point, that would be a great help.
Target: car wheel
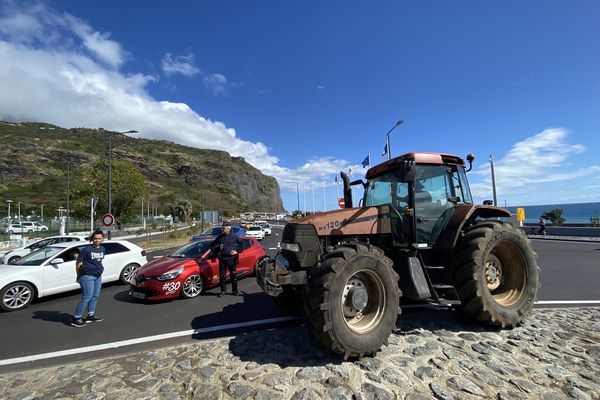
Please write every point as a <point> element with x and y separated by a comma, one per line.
<point>127,272</point>
<point>16,296</point>
<point>13,259</point>
<point>192,286</point>
<point>10,232</point>
<point>44,229</point>
<point>30,231</point>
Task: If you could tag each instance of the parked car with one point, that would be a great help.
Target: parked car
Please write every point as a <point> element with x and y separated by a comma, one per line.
<point>32,226</point>
<point>51,270</point>
<point>216,230</point>
<point>266,227</point>
<point>189,271</point>
<point>256,231</point>
<point>11,256</point>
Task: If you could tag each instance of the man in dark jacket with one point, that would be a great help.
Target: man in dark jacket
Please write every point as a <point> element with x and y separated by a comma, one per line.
<point>226,247</point>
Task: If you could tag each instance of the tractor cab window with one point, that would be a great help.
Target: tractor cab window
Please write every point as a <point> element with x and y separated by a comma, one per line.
<point>386,189</point>
<point>436,189</point>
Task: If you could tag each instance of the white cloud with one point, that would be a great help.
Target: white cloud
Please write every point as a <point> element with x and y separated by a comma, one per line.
<point>36,25</point>
<point>55,68</point>
<point>536,160</point>
<point>217,83</point>
<point>183,65</point>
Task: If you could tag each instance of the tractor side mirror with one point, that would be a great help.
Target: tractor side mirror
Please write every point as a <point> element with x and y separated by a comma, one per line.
<point>488,202</point>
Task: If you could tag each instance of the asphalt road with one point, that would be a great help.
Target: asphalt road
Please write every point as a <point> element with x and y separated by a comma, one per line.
<point>570,271</point>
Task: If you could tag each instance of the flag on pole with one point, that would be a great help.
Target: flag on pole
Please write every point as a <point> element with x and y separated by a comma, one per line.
<point>349,171</point>
<point>367,161</point>
<point>336,181</point>
<point>385,151</point>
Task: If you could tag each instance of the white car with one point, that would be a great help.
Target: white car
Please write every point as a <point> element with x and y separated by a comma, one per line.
<point>31,226</point>
<point>266,227</point>
<point>51,270</point>
<point>11,256</point>
<point>256,231</point>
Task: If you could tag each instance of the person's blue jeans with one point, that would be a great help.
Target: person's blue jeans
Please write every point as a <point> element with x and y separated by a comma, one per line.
<point>90,286</point>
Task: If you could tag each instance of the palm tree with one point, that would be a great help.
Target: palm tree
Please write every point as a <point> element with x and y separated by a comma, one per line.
<point>182,209</point>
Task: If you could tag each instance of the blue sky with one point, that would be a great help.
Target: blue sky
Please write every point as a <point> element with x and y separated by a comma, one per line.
<point>305,89</point>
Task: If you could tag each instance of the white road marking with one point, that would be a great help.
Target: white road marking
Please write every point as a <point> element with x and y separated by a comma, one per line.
<point>129,342</point>
<point>568,302</point>
<point>190,332</point>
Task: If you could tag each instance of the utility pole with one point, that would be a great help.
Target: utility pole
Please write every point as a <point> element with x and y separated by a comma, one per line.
<point>68,194</point>
<point>201,204</point>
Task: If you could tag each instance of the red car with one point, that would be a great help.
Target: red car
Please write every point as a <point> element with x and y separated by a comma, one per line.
<point>188,271</point>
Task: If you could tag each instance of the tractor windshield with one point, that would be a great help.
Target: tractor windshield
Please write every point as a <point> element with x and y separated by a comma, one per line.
<point>437,189</point>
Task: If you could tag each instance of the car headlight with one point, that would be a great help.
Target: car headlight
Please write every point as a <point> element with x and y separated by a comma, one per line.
<point>290,246</point>
<point>172,274</point>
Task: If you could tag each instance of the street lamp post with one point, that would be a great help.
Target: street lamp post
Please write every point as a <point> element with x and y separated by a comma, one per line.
<point>389,148</point>
<point>9,202</point>
<point>42,214</point>
<point>19,210</point>
<point>110,135</point>
<point>68,195</point>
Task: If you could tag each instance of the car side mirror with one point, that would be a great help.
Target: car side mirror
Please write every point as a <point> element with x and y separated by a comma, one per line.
<point>57,261</point>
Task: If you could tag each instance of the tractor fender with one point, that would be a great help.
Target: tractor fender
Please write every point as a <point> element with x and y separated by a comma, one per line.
<point>463,216</point>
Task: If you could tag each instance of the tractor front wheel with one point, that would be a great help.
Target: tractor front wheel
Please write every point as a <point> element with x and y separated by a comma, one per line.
<point>496,273</point>
<point>352,300</point>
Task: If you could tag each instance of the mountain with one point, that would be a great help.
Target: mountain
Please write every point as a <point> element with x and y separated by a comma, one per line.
<point>34,156</point>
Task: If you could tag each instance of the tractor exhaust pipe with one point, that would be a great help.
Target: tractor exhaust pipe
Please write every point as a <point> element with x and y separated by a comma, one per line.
<point>347,190</point>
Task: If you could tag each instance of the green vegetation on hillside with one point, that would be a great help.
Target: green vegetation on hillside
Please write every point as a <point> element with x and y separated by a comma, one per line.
<point>33,170</point>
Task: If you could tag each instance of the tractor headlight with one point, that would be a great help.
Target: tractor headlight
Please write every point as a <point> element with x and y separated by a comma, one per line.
<point>290,246</point>
<point>172,274</point>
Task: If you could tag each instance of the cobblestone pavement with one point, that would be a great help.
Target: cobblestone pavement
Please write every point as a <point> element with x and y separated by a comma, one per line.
<point>554,355</point>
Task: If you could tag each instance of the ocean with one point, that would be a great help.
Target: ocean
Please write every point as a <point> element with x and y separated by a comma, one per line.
<point>574,213</point>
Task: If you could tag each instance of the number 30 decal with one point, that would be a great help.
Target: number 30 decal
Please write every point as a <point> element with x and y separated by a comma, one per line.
<point>171,287</point>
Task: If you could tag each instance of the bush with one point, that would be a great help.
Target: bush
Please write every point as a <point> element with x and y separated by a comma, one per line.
<point>555,216</point>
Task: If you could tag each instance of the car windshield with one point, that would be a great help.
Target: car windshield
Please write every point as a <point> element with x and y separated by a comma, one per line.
<point>254,228</point>
<point>192,250</point>
<point>39,256</point>
<point>215,230</point>
<point>40,244</point>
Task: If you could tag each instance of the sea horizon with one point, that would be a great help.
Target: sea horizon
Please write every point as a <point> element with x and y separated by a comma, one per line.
<point>573,213</point>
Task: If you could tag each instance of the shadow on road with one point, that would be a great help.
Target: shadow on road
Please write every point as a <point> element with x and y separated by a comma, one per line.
<point>53,316</point>
<point>297,347</point>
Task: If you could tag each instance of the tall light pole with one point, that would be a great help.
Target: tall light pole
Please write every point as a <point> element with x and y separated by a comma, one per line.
<point>19,210</point>
<point>110,135</point>
<point>68,194</point>
<point>9,202</point>
<point>493,179</point>
<point>42,206</point>
<point>389,148</point>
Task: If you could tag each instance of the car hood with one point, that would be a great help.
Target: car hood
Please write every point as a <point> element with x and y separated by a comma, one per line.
<point>164,264</point>
<point>7,270</point>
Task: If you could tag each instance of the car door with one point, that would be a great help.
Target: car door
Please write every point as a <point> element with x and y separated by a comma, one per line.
<point>116,257</point>
<point>61,277</point>
<point>246,259</point>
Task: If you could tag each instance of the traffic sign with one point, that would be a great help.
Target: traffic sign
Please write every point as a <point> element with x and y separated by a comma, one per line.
<point>108,220</point>
<point>341,203</point>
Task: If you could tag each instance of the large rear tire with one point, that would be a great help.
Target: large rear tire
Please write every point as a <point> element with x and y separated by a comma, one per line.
<point>496,273</point>
<point>352,300</point>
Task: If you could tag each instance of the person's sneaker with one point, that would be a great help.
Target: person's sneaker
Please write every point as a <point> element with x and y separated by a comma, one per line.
<point>78,322</point>
<point>222,294</point>
<point>236,293</point>
<point>92,318</point>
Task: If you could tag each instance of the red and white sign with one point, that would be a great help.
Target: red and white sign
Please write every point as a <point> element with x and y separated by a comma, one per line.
<point>108,220</point>
<point>341,203</point>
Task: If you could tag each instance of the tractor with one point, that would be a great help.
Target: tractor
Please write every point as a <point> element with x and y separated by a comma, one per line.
<point>415,236</point>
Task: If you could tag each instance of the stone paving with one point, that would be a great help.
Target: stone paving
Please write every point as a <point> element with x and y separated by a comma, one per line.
<point>438,354</point>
